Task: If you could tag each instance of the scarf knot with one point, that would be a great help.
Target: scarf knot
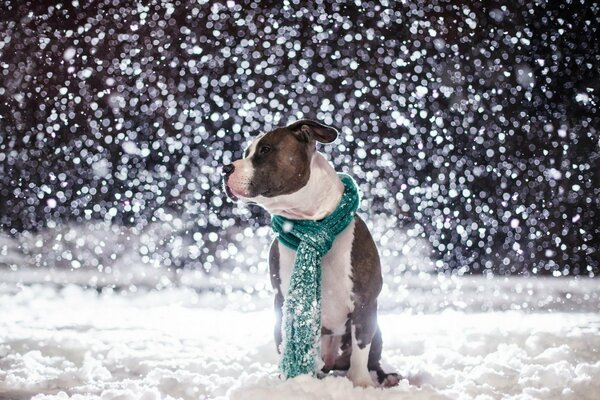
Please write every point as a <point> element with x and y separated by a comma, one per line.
<point>302,306</point>
<point>319,240</point>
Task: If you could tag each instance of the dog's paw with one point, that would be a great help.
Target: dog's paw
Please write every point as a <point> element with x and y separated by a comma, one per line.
<point>390,380</point>
<point>322,374</point>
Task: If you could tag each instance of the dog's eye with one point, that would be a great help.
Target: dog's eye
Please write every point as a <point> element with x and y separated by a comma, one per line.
<point>264,149</point>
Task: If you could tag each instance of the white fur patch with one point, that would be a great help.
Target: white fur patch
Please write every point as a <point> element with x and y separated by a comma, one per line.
<point>358,372</point>
<point>243,172</point>
<point>252,147</point>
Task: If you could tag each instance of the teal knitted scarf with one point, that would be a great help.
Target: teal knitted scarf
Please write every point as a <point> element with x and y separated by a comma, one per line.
<point>302,306</point>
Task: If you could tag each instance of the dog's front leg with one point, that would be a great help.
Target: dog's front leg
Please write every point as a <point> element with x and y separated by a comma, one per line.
<point>278,306</point>
<point>276,283</point>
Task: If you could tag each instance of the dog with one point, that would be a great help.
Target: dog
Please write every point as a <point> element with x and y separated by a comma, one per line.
<point>283,172</point>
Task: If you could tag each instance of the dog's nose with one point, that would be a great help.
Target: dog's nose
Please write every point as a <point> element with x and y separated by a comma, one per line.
<point>228,169</point>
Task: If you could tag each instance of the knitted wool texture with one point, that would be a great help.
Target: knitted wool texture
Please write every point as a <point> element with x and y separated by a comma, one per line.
<point>302,306</point>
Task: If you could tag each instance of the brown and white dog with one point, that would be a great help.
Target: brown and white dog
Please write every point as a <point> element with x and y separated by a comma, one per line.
<point>283,172</point>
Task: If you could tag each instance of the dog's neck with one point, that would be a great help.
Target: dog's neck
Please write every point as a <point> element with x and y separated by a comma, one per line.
<point>315,200</point>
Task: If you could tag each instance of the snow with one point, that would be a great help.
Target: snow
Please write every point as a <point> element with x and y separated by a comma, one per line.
<point>68,342</point>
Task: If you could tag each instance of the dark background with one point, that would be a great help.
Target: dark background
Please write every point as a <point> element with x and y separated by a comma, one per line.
<point>471,126</point>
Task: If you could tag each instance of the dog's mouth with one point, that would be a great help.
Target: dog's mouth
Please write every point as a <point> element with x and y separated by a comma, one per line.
<point>230,193</point>
<point>235,196</point>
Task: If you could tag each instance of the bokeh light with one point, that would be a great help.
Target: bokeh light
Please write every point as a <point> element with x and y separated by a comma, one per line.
<point>471,127</point>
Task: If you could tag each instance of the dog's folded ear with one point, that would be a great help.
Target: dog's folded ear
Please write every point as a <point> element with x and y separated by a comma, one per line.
<point>307,130</point>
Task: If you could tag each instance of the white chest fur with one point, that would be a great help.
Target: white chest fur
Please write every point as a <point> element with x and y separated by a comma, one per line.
<point>336,286</point>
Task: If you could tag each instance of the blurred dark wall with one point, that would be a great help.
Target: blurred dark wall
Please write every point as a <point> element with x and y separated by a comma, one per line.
<point>476,122</point>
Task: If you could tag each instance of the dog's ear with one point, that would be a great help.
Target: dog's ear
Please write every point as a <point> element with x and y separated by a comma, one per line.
<point>306,130</point>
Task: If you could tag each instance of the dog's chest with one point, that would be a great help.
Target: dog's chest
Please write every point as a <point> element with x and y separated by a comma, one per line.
<point>336,286</point>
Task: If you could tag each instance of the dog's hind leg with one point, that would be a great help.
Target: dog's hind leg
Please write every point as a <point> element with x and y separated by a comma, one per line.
<point>364,326</point>
<point>385,379</point>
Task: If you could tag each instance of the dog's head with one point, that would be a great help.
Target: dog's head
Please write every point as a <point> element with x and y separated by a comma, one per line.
<point>276,163</point>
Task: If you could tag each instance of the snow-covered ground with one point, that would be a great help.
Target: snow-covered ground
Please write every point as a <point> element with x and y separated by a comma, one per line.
<point>64,341</point>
